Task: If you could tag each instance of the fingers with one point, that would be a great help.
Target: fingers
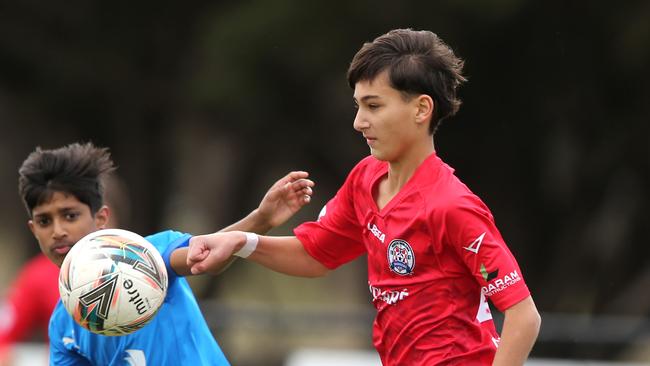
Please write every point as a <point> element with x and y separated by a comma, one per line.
<point>196,257</point>
<point>292,178</point>
<point>201,267</point>
<point>199,259</point>
<point>307,192</point>
<point>295,175</point>
<point>197,269</point>
<point>195,252</point>
<point>293,188</point>
<point>210,253</point>
<point>298,180</point>
<point>302,184</point>
<point>302,188</point>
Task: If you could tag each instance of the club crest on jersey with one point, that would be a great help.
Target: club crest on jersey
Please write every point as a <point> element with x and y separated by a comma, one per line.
<point>401,258</point>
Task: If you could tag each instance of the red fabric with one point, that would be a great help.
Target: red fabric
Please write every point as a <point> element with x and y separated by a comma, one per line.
<point>434,257</point>
<point>30,302</point>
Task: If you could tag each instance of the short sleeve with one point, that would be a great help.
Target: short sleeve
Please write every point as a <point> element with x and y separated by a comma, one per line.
<point>166,242</point>
<point>335,238</point>
<point>471,231</point>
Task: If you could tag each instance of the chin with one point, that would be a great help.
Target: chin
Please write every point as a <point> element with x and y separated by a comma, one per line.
<point>57,261</point>
<point>378,155</point>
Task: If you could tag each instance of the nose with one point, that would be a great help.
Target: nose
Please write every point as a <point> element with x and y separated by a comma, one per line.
<point>59,231</point>
<point>360,123</point>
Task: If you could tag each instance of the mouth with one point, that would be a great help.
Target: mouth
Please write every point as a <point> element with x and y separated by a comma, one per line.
<point>61,249</point>
<point>370,140</point>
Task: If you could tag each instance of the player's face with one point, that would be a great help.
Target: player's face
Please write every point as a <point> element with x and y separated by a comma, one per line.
<point>59,223</point>
<point>386,118</point>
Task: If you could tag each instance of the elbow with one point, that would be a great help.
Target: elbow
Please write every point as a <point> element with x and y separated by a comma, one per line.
<point>317,271</point>
<point>307,266</point>
<point>537,322</point>
<point>321,273</point>
<point>535,317</point>
<point>525,316</point>
<point>533,322</point>
<point>311,268</point>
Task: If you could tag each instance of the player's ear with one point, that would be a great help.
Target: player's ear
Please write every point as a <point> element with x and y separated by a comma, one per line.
<point>425,106</point>
<point>30,224</point>
<point>101,217</point>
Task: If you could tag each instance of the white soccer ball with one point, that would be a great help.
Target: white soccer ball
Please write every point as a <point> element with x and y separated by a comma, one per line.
<point>112,282</point>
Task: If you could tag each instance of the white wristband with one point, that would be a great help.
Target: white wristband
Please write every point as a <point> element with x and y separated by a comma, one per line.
<point>249,247</point>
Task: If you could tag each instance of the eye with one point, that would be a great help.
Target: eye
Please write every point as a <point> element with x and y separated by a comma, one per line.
<point>43,221</point>
<point>71,216</point>
<point>373,106</point>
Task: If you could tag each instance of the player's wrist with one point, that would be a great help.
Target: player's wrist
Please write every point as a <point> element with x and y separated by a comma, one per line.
<point>260,222</point>
<point>249,245</point>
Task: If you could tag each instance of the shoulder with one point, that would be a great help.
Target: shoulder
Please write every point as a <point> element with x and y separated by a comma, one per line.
<point>60,320</point>
<point>164,239</point>
<point>459,210</point>
<point>447,195</point>
<point>165,236</point>
<point>59,313</point>
<point>366,169</point>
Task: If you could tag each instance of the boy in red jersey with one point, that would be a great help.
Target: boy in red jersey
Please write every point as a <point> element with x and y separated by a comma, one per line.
<point>434,253</point>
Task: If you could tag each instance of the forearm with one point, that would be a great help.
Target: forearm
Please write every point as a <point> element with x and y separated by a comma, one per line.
<point>286,255</point>
<point>209,253</point>
<point>252,223</point>
<point>520,329</point>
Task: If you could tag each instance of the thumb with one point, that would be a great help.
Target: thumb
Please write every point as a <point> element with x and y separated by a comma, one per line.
<point>197,257</point>
<point>197,268</point>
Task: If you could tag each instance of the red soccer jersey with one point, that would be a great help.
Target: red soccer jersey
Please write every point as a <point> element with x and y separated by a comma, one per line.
<point>31,299</point>
<point>434,257</point>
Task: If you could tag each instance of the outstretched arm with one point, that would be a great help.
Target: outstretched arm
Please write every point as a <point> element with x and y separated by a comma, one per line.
<point>285,197</point>
<point>520,328</point>
<point>286,254</point>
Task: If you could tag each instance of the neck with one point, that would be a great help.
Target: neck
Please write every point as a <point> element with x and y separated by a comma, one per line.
<point>400,171</point>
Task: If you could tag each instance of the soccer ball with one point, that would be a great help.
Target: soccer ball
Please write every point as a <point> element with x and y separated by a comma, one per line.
<point>112,282</point>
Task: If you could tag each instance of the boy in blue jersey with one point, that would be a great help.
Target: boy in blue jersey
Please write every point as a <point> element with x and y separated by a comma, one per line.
<point>62,190</point>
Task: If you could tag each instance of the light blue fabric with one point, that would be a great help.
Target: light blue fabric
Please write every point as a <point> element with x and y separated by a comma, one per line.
<point>177,335</point>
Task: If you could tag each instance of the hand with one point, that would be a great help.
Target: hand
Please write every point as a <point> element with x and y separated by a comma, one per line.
<point>285,197</point>
<point>212,253</point>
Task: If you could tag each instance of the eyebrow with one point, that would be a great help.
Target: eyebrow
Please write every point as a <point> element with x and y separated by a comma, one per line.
<point>59,211</point>
<point>365,98</point>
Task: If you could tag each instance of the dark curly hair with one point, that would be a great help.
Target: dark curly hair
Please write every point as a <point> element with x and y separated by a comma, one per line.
<point>77,169</point>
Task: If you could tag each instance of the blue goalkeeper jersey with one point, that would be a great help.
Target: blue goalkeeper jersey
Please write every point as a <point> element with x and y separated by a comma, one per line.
<point>177,335</point>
